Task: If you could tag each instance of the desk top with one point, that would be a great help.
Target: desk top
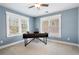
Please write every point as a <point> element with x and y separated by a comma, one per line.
<point>35,35</point>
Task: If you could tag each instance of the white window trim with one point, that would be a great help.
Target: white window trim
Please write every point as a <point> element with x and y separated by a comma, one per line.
<point>59,26</point>
<point>41,20</point>
<point>7,25</point>
<point>20,31</point>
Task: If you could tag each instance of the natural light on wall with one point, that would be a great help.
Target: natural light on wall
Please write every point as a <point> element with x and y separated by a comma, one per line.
<point>16,24</point>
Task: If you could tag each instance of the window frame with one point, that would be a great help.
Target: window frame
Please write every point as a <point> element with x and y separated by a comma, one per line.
<point>19,23</point>
<point>41,20</point>
<point>50,17</point>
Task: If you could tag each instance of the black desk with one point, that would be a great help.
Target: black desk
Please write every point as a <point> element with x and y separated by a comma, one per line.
<point>35,36</point>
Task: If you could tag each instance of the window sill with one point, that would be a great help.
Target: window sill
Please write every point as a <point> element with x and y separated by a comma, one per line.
<point>14,35</point>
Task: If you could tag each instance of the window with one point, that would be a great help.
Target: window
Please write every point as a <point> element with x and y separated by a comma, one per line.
<point>51,25</point>
<point>24,25</point>
<point>44,25</point>
<point>13,26</point>
<point>16,24</point>
<point>55,26</point>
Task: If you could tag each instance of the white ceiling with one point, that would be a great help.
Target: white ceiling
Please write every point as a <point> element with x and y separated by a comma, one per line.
<point>53,7</point>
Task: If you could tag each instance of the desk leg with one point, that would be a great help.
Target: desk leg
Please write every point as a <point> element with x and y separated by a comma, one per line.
<point>45,42</point>
<point>26,43</point>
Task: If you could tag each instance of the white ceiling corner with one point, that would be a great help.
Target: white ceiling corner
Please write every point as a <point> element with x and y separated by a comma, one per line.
<point>53,7</point>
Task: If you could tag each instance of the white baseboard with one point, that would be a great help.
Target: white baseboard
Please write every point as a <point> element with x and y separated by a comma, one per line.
<point>74,44</point>
<point>4,46</point>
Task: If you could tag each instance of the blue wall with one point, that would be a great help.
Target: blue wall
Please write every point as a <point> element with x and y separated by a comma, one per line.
<point>69,24</point>
<point>3,32</point>
<point>37,23</point>
<point>78,25</point>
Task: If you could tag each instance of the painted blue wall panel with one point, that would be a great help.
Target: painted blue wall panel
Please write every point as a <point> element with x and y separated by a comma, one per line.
<point>70,25</point>
<point>31,24</point>
<point>37,23</point>
<point>78,25</point>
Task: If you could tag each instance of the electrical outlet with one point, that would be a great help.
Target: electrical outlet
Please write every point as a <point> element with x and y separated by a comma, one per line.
<point>1,41</point>
<point>68,38</point>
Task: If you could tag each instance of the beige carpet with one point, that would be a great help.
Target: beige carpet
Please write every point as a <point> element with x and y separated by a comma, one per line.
<point>38,48</point>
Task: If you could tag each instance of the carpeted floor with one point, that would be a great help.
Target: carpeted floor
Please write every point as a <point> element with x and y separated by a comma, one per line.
<point>38,48</point>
